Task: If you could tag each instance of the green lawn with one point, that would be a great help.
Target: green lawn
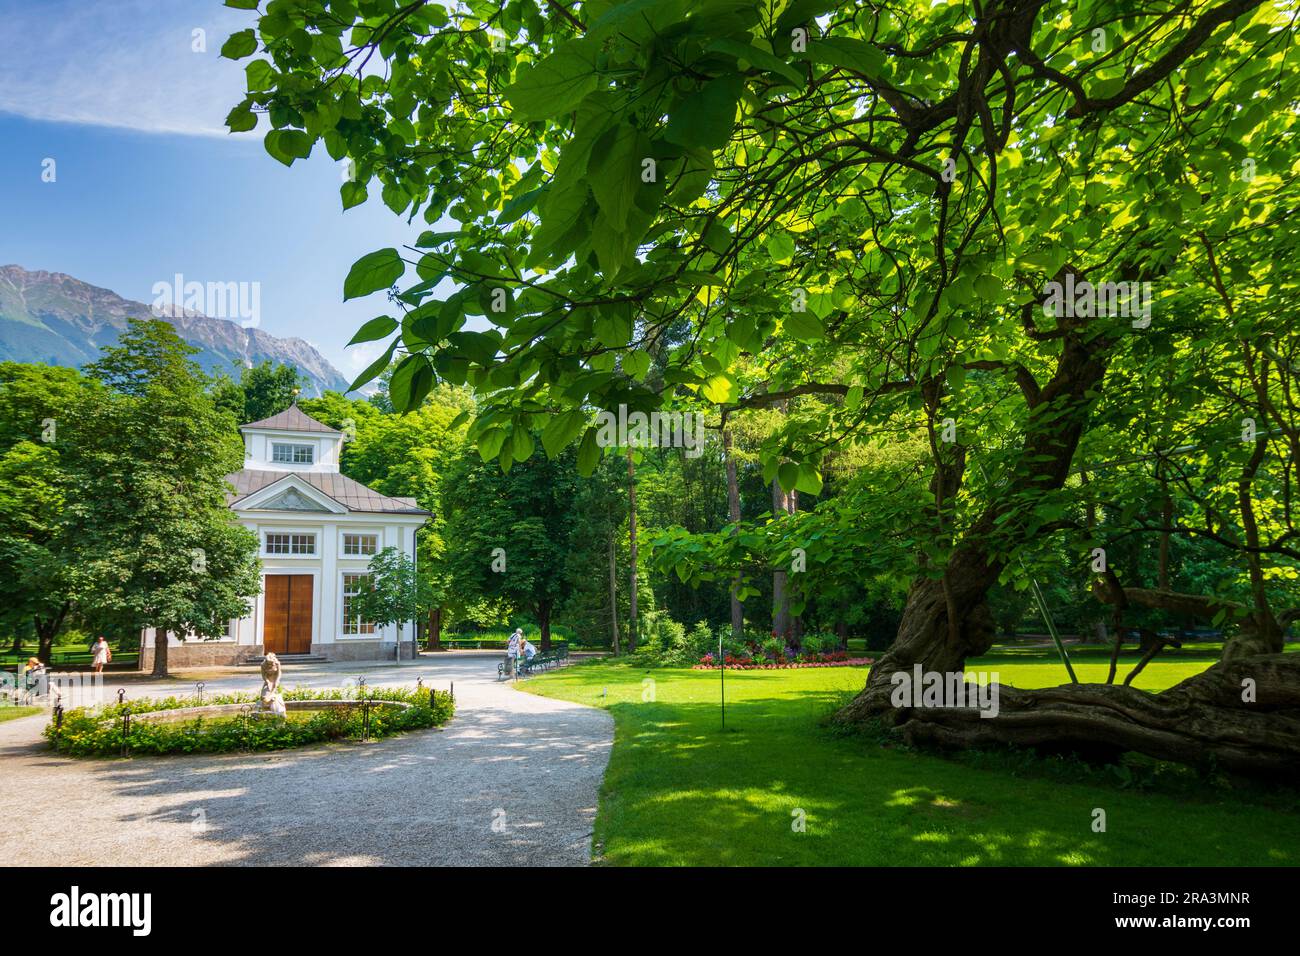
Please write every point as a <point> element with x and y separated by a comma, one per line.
<point>65,655</point>
<point>13,713</point>
<point>679,791</point>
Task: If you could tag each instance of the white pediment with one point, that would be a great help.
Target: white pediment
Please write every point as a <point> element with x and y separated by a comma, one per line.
<point>290,494</point>
<point>291,499</point>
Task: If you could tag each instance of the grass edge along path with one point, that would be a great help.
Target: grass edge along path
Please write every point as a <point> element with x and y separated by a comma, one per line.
<point>14,713</point>
<point>780,787</point>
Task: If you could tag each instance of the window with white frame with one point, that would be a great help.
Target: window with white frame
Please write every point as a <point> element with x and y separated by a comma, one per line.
<point>355,545</point>
<point>352,623</point>
<point>291,453</point>
<point>284,542</point>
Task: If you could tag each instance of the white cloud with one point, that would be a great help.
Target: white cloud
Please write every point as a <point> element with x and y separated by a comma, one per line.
<point>127,64</point>
<point>360,356</point>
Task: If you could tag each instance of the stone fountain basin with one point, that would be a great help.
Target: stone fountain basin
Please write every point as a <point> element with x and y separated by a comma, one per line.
<point>179,714</point>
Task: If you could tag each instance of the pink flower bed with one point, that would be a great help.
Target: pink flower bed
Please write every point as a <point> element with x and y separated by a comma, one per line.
<point>822,660</point>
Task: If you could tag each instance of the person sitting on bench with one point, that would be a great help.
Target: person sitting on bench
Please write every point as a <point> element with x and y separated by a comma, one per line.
<point>33,673</point>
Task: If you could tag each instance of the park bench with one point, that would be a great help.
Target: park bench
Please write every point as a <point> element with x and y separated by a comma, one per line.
<point>552,658</point>
<point>20,691</point>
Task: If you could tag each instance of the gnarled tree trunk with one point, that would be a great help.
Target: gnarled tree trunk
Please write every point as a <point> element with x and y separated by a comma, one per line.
<point>1242,715</point>
<point>947,620</point>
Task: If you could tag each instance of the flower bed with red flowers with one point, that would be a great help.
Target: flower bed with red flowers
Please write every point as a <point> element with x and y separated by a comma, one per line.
<point>837,659</point>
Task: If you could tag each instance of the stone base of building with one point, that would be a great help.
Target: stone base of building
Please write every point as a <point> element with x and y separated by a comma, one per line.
<point>221,653</point>
<point>364,650</point>
<point>201,654</point>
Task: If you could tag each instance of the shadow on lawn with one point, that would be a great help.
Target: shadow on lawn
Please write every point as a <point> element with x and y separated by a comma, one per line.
<point>680,790</point>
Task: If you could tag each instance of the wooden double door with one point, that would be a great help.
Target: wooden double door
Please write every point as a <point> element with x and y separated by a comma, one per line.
<point>287,628</point>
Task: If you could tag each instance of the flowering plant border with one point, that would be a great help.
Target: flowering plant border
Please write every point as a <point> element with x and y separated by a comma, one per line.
<point>709,662</point>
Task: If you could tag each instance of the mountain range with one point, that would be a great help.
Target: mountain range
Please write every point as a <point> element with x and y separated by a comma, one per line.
<point>54,319</point>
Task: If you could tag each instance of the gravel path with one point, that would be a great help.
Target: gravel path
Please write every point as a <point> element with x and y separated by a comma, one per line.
<point>512,780</point>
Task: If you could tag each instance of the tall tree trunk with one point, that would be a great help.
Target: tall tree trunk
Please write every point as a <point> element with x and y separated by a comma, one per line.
<point>631,534</point>
<point>1099,632</point>
<point>613,595</point>
<point>160,645</point>
<point>796,622</point>
<point>1166,521</point>
<point>780,600</point>
<point>47,629</point>
<point>733,512</point>
<point>44,641</point>
<point>544,624</point>
<point>434,642</point>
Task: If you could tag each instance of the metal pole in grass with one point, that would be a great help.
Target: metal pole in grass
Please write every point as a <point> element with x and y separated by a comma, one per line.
<point>1042,607</point>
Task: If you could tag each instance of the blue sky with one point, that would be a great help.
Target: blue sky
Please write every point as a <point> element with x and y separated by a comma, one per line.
<point>148,184</point>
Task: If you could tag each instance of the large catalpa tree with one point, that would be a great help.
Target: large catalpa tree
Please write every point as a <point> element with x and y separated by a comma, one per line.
<point>859,207</point>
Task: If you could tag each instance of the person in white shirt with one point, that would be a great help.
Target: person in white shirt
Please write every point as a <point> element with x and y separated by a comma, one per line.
<point>512,650</point>
<point>102,654</point>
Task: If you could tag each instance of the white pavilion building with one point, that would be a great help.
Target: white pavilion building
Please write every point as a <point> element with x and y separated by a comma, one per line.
<point>317,530</point>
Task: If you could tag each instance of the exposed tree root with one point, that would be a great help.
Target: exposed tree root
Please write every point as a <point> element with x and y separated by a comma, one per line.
<point>1203,720</point>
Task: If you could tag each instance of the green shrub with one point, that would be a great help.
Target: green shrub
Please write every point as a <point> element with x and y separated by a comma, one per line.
<point>701,640</point>
<point>662,633</point>
<point>662,640</point>
<point>815,644</point>
<point>737,649</point>
<point>87,732</point>
<point>666,643</point>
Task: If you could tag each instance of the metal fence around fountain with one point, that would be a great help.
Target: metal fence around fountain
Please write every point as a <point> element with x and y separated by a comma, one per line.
<point>126,731</point>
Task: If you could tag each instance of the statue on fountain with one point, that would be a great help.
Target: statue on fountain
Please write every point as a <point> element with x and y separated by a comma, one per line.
<point>272,701</point>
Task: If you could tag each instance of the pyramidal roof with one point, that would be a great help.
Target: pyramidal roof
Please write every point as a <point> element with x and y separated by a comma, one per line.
<point>353,495</point>
<point>292,419</point>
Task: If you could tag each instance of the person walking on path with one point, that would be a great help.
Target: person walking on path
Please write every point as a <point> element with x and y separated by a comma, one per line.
<point>102,655</point>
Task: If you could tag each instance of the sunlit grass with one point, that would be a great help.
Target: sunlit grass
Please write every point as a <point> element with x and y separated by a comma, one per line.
<point>13,713</point>
<point>682,791</point>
